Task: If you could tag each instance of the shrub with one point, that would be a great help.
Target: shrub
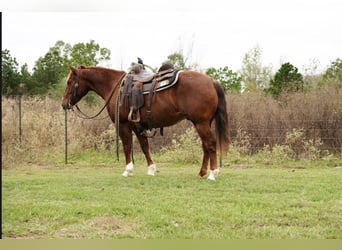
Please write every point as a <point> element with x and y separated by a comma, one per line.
<point>185,148</point>
<point>306,126</point>
<point>242,142</point>
<point>267,121</point>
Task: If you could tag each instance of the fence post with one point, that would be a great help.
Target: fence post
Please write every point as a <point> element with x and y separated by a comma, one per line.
<point>21,91</point>
<point>66,135</point>
<point>20,129</point>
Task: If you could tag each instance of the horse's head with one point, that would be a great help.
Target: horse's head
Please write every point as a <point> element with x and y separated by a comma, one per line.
<point>76,88</point>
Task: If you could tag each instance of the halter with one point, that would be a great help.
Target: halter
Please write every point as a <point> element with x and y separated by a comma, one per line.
<point>81,113</point>
<point>74,91</point>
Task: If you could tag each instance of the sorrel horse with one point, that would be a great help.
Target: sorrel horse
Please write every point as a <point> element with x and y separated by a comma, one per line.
<point>196,97</point>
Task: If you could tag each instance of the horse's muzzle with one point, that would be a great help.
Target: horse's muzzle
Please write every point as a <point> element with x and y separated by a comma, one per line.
<point>66,105</point>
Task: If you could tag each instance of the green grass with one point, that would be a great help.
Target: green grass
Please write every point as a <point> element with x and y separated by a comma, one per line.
<point>90,199</point>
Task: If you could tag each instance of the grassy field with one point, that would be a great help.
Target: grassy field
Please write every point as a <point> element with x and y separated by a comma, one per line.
<point>90,199</point>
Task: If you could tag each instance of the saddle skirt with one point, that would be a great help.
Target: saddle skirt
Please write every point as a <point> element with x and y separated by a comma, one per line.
<point>164,79</point>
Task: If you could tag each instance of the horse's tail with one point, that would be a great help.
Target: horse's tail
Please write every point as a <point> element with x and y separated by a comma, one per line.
<point>221,119</point>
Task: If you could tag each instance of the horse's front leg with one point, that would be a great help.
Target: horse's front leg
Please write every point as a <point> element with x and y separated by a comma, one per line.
<point>125,133</point>
<point>145,147</point>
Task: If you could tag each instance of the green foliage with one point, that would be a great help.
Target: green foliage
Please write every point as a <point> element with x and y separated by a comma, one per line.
<point>186,148</point>
<point>51,68</point>
<point>177,59</point>
<point>333,75</point>
<point>26,79</point>
<point>242,142</point>
<point>286,80</point>
<point>180,61</point>
<point>295,147</point>
<point>254,75</point>
<point>302,148</point>
<point>10,75</point>
<point>89,54</point>
<point>230,81</point>
<point>335,70</point>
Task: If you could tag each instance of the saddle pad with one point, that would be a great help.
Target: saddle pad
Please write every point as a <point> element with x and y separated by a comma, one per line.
<point>162,85</point>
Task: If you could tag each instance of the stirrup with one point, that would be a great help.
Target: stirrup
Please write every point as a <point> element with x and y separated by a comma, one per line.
<point>149,133</point>
<point>131,114</point>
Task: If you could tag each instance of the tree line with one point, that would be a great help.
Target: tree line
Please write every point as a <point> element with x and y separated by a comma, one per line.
<point>51,69</point>
<point>254,77</point>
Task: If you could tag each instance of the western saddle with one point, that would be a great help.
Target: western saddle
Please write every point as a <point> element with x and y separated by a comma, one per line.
<point>140,82</point>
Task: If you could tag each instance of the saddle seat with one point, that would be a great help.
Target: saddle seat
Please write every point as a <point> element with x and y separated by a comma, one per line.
<point>144,76</point>
<point>166,77</point>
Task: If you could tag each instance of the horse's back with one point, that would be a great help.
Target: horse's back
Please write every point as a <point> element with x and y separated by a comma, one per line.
<point>197,85</point>
<point>193,97</point>
<point>196,95</point>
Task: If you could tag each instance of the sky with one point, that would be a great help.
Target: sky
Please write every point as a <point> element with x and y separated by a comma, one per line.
<point>210,33</point>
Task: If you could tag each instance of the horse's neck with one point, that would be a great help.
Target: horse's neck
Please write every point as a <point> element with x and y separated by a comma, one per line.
<point>104,85</point>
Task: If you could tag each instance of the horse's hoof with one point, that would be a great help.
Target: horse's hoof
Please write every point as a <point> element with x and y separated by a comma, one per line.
<point>213,174</point>
<point>211,177</point>
<point>127,173</point>
<point>201,174</point>
<point>151,170</point>
<point>128,170</point>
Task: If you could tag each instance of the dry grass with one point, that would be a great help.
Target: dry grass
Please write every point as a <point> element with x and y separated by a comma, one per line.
<point>256,122</point>
<point>267,121</point>
<point>43,131</point>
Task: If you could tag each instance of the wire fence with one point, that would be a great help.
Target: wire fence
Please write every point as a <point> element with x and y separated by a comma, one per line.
<point>40,122</point>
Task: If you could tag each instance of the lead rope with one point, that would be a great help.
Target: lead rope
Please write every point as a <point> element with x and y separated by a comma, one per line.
<point>85,116</point>
<point>117,116</point>
<point>117,120</point>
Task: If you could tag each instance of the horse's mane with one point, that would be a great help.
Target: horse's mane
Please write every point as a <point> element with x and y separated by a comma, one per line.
<point>99,69</point>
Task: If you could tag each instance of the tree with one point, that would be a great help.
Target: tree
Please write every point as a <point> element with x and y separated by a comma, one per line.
<point>333,75</point>
<point>254,75</point>
<point>53,66</point>
<point>49,69</point>
<point>25,79</point>
<point>10,75</point>
<point>287,79</point>
<point>89,54</point>
<point>177,59</point>
<point>230,81</point>
<point>181,61</point>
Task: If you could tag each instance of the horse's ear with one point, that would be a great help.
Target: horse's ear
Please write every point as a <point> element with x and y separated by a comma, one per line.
<point>82,67</point>
<point>73,70</point>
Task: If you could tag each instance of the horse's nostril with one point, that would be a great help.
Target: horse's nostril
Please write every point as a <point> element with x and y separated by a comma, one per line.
<point>66,105</point>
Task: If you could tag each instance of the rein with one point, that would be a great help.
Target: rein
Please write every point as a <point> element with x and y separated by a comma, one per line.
<point>85,116</point>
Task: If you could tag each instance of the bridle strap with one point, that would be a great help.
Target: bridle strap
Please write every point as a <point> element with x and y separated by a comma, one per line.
<point>85,116</point>
<point>74,90</point>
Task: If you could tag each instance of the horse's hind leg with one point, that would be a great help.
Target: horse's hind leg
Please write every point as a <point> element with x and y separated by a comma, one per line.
<point>209,149</point>
<point>145,147</point>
